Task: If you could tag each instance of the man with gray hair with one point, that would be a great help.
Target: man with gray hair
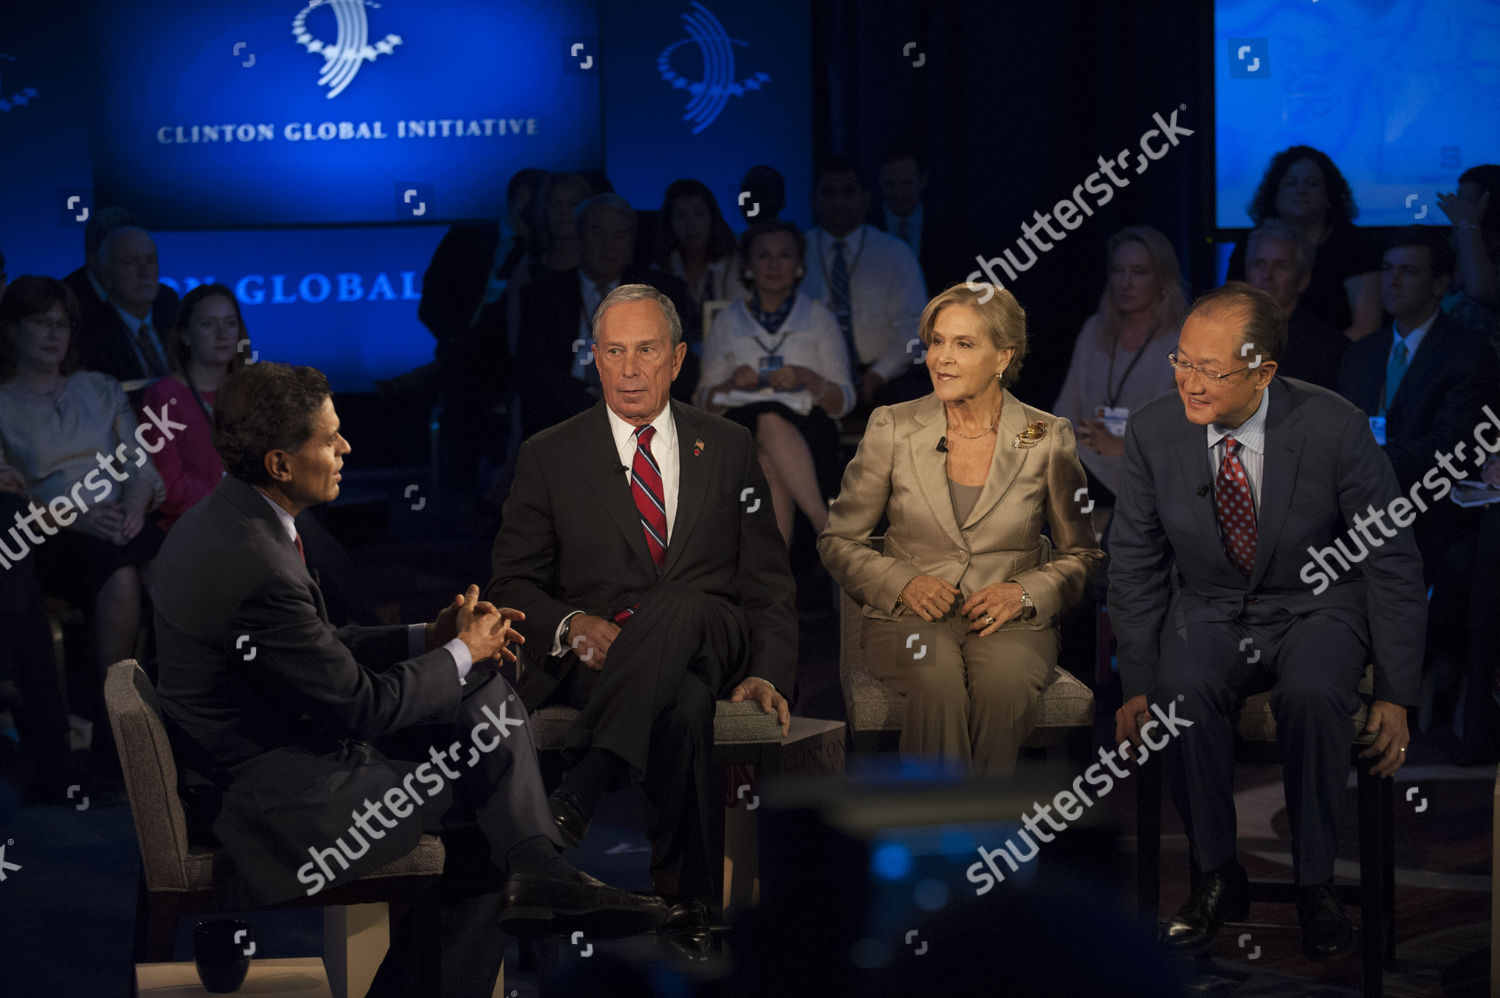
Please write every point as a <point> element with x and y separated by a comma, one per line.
<point>639,542</point>
<point>1279,260</point>
<point>553,356</point>
<point>125,335</point>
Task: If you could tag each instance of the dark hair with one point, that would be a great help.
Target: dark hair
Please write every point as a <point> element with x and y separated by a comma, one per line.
<point>896,154</point>
<point>748,237</point>
<point>1439,248</point>
<point>840,164</point>
<point>767,187</point>
<point>179,351</point>
<point>530,176</point>
<point>28,295</point>
<point>262,408</point>
<point>541,228</point>
<point>720,235</point>
<point>1265,324</point>
<point>1487,176</point>
<point>1341,206</point>
<point>103,222</point>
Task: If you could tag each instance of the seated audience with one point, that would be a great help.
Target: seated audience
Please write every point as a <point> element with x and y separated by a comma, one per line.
<point>941,249</point>
<point>124,336</point>
<point>872,284</point>
<point>781,340</point>
<point>648,597</point>
<point>697,245</point>
<point>763,192</point>
<point>278,745</point>
<point>71,442</point>
<point>1280,264</point>
<point>1117,362</point>
<point>1474,299</point>
<point>553,350</point>
<point>1304,187</point>
<point>968,477</point>
<point>1215,598</point>
<point>88,282</point>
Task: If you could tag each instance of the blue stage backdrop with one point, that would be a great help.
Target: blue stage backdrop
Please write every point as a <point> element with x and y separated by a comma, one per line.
<point>284,112</point>
<point>706,90</point>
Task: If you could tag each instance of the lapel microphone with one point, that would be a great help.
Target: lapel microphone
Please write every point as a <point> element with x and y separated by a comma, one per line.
<point>942,446</point>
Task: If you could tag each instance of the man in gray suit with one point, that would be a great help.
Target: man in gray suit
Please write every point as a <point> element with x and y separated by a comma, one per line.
<point>1224,581</point>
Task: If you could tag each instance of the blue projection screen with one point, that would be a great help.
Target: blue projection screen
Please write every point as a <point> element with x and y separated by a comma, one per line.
<point>1402,95</point>
<point>211,115</point>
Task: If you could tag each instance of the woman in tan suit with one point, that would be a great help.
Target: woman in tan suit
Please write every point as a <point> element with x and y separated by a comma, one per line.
<point>960,607</point>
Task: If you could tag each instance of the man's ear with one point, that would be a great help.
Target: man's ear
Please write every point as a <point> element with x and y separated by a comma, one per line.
<point>278,466</point>
<point>679,353</point>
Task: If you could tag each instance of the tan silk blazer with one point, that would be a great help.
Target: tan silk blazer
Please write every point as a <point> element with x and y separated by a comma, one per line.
<point>899,472</point>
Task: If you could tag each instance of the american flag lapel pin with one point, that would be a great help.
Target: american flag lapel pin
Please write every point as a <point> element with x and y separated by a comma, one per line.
<point>697,446</point>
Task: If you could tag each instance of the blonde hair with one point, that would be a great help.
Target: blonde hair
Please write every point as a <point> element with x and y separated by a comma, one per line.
<point>1004,319</point>
<point>1171,308</point>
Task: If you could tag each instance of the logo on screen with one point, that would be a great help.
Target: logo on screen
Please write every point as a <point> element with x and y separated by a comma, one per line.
<point>343,58</point>
<point>708,95</point>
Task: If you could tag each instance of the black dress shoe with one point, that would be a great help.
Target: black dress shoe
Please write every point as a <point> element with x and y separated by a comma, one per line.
<point>540,902</point>
<point>1222,895</point>
<point>568,814</point>
<point>1327,932</point>
<point>686,933</point>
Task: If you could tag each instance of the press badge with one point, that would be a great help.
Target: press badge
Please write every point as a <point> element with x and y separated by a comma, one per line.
<point>1377,427</point>
<point>768,364</point>
<point>1114,417</point>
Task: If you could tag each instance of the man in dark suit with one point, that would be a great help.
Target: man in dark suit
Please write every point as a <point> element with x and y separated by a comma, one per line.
<point>553,347</point>
<point>1278,260</point>
<point>1224,579</point>
<point>940,248</point>
<point>295,738</point>
<point>125,336</point>
<point>87,282</point>
<point>639,541</point>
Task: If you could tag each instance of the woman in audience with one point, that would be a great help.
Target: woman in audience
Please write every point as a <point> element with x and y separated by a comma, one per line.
<point>1475,213</point>
<point>1119,362</point>
<point>775,362</point>
<point>1302,186</point>
<point>555,227</point>
<point>69,441</point>
<point>207,345</point>
<point>697,245</point>
<point>960,604</point>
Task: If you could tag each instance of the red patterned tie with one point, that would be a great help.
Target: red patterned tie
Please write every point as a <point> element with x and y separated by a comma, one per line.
<point>1235,508</point>
<point>297,539</point>
<point>645,486</point>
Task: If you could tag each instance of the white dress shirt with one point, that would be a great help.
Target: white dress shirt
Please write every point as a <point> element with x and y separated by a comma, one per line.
<point>1251,435</point>
<point>416,634</point>
<point>134,325</point>
<point>886,293</point>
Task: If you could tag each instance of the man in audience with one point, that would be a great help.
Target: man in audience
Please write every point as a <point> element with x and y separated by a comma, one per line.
<point>763,193</point>
<point>1278,260</point>
<point>285,729</point>
<point>87,282</point>
<point>939,248</point>
<point>556,372</point>
<point>1225,578</point>
<point>872,284</point>
<point>125,335</point>
<point>639,542</point>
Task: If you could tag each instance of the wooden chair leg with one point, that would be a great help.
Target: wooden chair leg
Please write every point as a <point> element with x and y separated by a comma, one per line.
<point>1373,912</point>
<point>1148,842</point>
<point>156,926</point>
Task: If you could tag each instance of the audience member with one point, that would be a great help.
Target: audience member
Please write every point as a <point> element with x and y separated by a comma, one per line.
<point>652,583</point>
<point>940,249</point>
<point>870,281</point>
<point>1280,264</point>
<point>967,477</point>
<point>1474,300</point>
<point>87,282</point>
<point>70,440</point>
<point>697,245</point>
<point>762,195</point>
<point>787,349</point>
<point>1117,362</point>
<point>124,336</point>
<point>556,225</point>
<point>552,352</point>
<point>1304,187</point>
<point>277,747</point>
<point>1214,601</point>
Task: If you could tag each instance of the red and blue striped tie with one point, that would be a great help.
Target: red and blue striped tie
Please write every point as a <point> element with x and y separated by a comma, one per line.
<point>645,486</point>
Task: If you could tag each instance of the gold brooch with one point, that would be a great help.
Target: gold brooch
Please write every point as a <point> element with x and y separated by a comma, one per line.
<point>1029,436</point>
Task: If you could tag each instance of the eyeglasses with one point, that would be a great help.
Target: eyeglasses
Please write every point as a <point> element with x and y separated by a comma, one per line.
<point>1179,364</point>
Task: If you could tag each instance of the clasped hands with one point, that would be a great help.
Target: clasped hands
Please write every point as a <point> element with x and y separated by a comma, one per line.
<point>788,377</point>
<point>930,598</point>
<point>485,630</point>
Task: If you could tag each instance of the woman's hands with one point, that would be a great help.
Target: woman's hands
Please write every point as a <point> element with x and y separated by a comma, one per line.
<point>11,479</point>
<point>793,376</point>
<point>1095,435</point>
<point>745,377</point>
<point>929,597</point>
<point>992,606</point>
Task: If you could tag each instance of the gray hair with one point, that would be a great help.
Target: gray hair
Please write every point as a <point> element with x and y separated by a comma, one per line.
<point>107,243</point>
<point>640,292</point>
<point>1282,231</point>
<point>609,200</point>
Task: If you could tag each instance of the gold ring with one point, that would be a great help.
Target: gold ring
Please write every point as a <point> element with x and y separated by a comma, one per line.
<point>990,620</point>
<point>1403,750</point>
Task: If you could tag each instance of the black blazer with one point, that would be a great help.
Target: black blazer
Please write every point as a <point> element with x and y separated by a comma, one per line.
<point>1322,468</point>
<point>570,539</point>
<point>272,708</point>
<point>943,252</point>
<point>453,285</point>
<point>1441,396</point>
<point>105,343</point>
<point>1313,350</point>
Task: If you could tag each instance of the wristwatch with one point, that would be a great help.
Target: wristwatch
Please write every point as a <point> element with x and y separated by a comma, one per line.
<point>1028,608</point>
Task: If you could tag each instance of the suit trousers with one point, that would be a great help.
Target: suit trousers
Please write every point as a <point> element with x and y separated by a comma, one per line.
<point>1313,665</point>
<point>970,701</point>
<point>497,801</point>
<point>652,704</point>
